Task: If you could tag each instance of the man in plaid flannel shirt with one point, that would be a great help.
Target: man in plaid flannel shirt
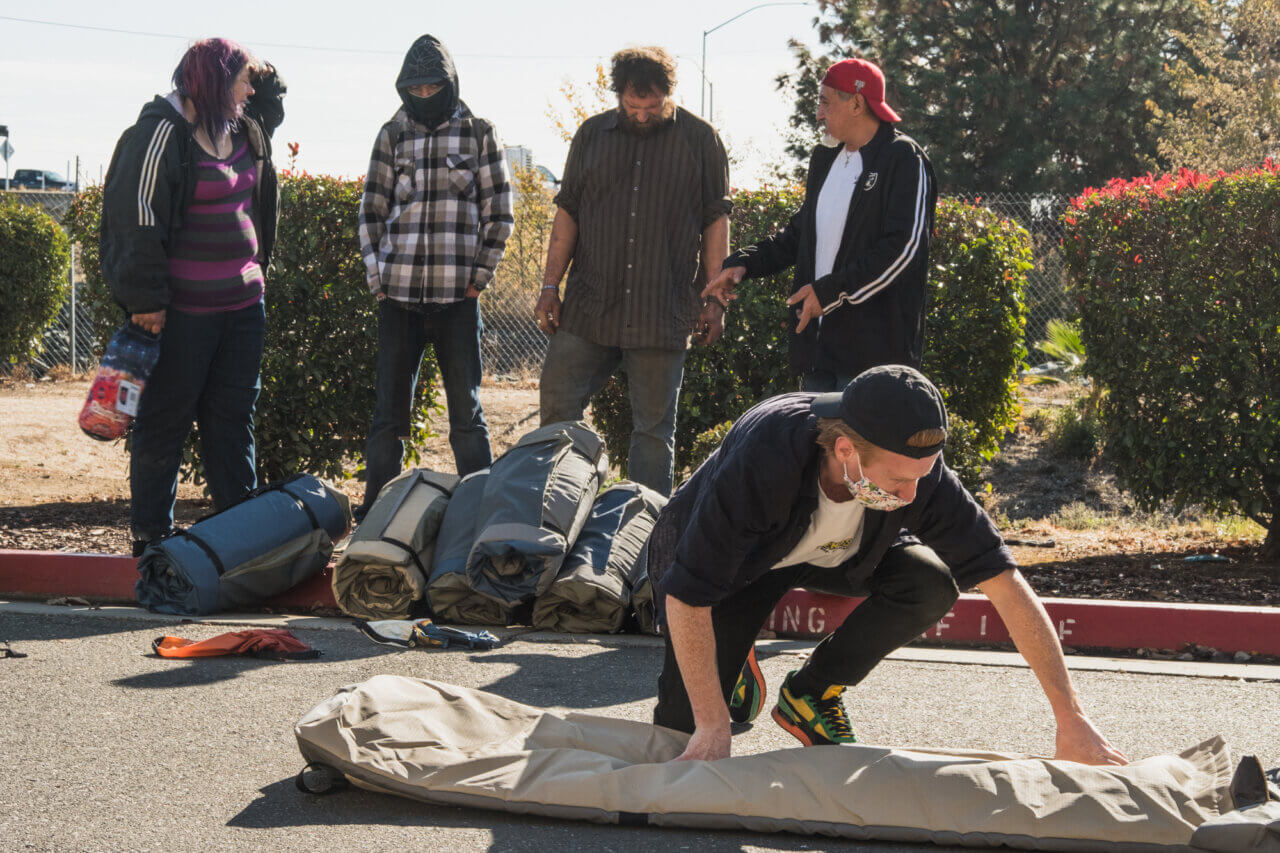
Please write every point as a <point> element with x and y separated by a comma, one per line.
<point>434,219</point>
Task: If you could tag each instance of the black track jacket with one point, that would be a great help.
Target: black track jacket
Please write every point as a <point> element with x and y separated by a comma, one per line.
<point>149,186</point>
<point>874,299</point>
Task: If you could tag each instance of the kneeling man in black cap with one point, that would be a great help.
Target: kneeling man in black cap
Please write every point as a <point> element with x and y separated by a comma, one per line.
<point>843,492</point>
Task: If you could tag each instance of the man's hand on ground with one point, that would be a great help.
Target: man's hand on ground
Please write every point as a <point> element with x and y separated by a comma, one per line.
<point>810,307</point>
<point>153,322</point>
<point>547,311</point>
<point>721,287</point>
<point>1078,740</point>
<point>707,744</point>
<point>710,324</point>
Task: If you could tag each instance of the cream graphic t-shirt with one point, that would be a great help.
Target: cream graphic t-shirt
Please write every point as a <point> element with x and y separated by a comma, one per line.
<point>834,534</point>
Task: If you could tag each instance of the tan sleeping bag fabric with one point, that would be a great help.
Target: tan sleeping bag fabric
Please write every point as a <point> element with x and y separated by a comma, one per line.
<point>444,744</point>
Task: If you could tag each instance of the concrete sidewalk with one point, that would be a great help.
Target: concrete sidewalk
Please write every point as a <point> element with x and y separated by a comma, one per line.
<point>109,747</point>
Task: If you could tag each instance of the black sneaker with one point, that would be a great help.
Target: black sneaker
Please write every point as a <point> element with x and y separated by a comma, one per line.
<point>748,693</point>
<point>814,720</point>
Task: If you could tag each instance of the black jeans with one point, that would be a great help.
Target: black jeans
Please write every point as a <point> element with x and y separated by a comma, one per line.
<point>910,590</point>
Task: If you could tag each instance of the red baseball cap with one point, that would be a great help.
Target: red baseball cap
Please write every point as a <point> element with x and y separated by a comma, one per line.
<point>859,77</point>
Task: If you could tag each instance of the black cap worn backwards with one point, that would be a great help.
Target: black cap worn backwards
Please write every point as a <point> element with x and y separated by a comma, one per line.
<point>887,405</point>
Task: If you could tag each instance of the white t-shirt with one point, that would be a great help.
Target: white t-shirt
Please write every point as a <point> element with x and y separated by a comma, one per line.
<point>833,209</point>
<point>834,534</point>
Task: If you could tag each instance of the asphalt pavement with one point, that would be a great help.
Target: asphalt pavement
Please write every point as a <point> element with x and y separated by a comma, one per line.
<point>108,747</point>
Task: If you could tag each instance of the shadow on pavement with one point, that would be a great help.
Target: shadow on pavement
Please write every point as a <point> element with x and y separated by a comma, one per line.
<point>613,676</point>
<point>282,806</point>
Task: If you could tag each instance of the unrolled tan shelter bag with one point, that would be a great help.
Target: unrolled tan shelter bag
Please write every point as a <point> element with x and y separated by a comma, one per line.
<point>385,566</point>
<point>443,744</point>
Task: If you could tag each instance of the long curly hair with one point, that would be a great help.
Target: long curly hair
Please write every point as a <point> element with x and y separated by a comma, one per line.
<point>644,70</point>
<point>205,76</point>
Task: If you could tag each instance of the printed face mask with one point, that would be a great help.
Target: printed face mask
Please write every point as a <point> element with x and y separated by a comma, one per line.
<point>872,496</point>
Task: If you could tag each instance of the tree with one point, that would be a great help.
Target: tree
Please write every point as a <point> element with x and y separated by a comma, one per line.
<point>1012,95</point>
<point>1232,115</point>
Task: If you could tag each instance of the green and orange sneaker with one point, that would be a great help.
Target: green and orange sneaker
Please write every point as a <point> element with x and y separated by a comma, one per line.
<point>748,693</point>
<point>813,720</point>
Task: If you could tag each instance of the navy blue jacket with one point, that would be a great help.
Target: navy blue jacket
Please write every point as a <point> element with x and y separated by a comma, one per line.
<point>749,504</point>
<point>873,300</point>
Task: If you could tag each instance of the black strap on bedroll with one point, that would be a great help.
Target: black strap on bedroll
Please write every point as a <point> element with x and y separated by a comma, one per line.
<point>208,550</point>
<point>320,779</point>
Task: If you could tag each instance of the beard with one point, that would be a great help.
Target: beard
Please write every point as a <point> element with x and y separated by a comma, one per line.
<point>829,141</point>
<point>650,127</point>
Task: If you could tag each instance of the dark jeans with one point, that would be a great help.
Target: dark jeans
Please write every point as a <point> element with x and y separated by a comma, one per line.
<point>822,381</point>
<point>576,369</point>
<point>910,590</point>
<point>453,330</point>
<point>208,372</point>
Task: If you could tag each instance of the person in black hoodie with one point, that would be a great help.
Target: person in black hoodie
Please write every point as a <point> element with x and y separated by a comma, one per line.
<point>435,216</point>
<point>859,243</point>
<point>188,224</point>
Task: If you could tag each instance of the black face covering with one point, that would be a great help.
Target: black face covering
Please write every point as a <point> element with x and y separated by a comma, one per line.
<point>433,111</point>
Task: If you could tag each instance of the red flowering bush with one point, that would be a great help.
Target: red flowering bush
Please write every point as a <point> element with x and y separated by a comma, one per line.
<point>1178,278</point>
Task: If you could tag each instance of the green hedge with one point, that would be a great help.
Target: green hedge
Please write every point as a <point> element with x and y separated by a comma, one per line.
<point>319,366</point>
<point>973,345</point>
<point>1179,278</point>
<point>34,258</point>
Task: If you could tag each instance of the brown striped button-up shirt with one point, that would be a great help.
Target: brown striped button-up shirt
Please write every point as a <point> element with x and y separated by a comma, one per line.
<point>640,204</point>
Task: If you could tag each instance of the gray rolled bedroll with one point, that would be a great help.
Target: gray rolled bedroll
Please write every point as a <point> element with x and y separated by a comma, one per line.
<point>387,562</point>
<point>592,591</point>
<point>536,500</point>
<point>273,540</point>
<point>449,590</point>
<point>442,744</point>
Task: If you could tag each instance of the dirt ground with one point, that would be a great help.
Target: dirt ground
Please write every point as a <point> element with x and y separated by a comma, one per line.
<point>1072,530</point>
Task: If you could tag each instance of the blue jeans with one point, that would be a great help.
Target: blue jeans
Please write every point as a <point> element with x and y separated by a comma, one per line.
<point>575,369</point>
<point>453,330</point>
<point>822,381</point>
<point>208,371</point>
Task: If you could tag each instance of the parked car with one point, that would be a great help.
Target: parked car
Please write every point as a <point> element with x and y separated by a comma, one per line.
<point>39,179</point>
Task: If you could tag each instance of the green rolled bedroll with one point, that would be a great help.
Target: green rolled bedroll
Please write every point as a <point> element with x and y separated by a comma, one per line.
<point>387,562</point>
<point>592,591</point>
<point>449,590</point>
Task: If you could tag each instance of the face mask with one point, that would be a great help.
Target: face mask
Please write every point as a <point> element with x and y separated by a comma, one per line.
<point>432,111</point>
<point>872,496</point>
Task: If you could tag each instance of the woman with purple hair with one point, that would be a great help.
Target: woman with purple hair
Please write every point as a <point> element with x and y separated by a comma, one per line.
<point>188,222</point>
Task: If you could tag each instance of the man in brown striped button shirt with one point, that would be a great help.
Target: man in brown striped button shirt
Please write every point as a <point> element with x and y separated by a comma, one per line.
<point>645,194</point>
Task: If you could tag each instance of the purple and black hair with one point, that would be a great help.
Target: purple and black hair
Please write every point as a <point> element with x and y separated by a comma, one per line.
<point>205,75</point>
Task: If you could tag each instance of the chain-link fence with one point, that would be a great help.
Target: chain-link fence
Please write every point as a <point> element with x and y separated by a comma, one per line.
<point>512,343</point>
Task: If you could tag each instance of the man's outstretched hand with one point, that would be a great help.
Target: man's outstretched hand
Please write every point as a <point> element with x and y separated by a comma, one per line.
<point>1079,740</point>
<point>810,308</point>
<point>721,287</point>
<point>707,744</point>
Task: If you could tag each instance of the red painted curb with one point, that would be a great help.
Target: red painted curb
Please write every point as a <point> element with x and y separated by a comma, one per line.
<point>109,579</point>
<point>1080,623</point>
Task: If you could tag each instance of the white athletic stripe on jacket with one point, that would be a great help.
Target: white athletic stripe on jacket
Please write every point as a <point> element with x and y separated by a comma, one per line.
<point>150,166</point>
<point>903,260</point>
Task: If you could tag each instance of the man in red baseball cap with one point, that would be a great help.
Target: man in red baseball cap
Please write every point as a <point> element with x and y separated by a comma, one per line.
<point>859,244</point>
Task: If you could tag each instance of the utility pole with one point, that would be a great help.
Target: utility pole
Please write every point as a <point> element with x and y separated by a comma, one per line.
<point>702,103</point>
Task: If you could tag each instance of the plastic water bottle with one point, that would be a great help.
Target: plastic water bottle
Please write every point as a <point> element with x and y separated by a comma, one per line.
<point>117,387</point>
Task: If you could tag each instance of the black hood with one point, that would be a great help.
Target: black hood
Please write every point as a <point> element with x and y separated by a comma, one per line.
<point>428,61</point>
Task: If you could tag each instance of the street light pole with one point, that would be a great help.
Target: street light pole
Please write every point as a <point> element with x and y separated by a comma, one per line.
<point>702,102</point>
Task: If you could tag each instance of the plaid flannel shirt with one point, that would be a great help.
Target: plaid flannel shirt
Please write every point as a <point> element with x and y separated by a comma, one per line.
<point>436,211</point>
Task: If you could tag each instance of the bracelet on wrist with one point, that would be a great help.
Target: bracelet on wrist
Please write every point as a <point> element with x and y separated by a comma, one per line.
<point>555,287</point>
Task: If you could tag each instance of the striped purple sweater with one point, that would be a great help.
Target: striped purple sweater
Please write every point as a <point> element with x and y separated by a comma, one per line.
<point>213,265</point>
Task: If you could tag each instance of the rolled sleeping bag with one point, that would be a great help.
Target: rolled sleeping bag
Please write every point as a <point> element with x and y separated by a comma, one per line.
<point>449,591</point>
<point>642,596</point>
<point>387,562</point>
<point>593,588</point>
<point>538,496</point>
<point>267,543</point>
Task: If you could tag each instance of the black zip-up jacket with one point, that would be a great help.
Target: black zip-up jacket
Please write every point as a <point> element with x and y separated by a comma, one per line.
<point>749,504</point>
<point>873,300</point>
<point>150,184</point>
